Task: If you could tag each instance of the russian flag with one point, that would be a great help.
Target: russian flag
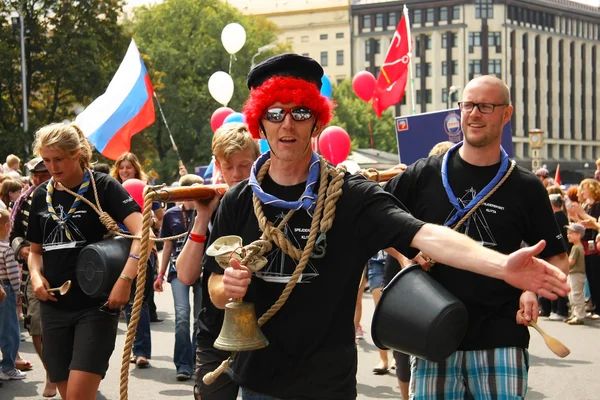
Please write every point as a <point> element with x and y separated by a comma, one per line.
<point>123,110</point>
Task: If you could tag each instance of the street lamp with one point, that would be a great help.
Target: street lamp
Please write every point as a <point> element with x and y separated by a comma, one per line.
<point>18,23</point>
<point>260,50</point>
<point>451,90</point>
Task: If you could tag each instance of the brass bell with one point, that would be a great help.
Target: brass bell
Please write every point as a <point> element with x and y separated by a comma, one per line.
<point>240,330</point>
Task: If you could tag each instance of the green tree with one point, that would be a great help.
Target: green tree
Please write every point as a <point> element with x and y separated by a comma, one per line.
<point>359,120</point>
<point>72,50</point>
<point>182,40</point>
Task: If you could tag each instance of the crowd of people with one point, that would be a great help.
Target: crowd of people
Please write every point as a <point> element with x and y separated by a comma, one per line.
<point>278,198</point>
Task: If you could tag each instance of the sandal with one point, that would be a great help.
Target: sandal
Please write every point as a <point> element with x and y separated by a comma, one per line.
<point>23,365</point>
<point>142,362</point>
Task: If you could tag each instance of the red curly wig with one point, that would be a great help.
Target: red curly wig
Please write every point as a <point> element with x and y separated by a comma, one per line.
<point>285,89</point>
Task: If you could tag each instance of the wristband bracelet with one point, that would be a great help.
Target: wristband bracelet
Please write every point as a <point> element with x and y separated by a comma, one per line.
<point>134,256</point>
<point>128,279</point>
<point>161,277</point>
<point>197,238</point>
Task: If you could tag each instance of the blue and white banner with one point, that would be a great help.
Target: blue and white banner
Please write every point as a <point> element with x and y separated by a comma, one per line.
<point>417,134</point>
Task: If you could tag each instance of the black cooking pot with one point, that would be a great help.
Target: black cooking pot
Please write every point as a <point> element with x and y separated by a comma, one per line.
<point>416,315</point>
<point>100,264</point>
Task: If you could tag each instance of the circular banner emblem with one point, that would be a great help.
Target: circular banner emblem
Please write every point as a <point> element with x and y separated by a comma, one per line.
<point>452,127</point>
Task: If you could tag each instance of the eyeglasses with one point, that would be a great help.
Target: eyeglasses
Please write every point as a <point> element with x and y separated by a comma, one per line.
<point>277,114</point>
<point>484,108</point>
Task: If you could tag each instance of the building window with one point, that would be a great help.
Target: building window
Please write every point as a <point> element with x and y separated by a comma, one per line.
<point>453,37</point>
<point>418,96</point>
<point>444,68</point>
<point>443,13</point>
<point>339,81</point>
<point>367,21</point>
<point>474,68</point>
<point>484,9</point>
<point>324,58</point>
<point>339,57</point>
<point>444,41</point>
<point>455,13</point>
<point>304,39</point>
<point>323,36</point>
<point>367,49</point>
<point>494,39</point>
<point>339,35</point>
<point>418,72</point>
<point>378,20</point>
<point>376,72</point>
<point>474,39</point>
<point>495,68</point>
<point>377,46</point>
<point>392,19</point>
<point>428,69</point>
<point>454,67</point>
<point>429,15</point>
<point>428,42</point>
<point>417,16</point>
<point>428,96</point>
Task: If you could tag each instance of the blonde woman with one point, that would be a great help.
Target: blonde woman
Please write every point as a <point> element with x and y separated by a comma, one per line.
<point>79,332</point>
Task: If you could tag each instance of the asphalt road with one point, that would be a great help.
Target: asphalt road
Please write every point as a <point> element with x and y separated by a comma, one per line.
<point>551,378</point>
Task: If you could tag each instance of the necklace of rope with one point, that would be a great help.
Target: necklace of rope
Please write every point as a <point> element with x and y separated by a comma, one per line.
<point>59,219</point>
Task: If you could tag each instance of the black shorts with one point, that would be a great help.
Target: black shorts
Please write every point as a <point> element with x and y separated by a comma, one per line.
<point>207,360</point>
<point>77,340</point>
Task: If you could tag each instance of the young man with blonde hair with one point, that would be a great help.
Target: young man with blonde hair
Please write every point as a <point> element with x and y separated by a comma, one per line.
<point>235,151</point>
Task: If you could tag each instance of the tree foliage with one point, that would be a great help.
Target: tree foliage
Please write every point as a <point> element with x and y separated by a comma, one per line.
<point>72,48</point>
<point>359,120</point>
<point>182,40</point>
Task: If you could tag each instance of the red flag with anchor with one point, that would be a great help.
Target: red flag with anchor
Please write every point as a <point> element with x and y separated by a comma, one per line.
<point>393,75</point>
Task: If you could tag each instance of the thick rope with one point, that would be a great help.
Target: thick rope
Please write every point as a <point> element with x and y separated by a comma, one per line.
<point>139,293</point>
<point>430,262</point>
<point>328,194</point>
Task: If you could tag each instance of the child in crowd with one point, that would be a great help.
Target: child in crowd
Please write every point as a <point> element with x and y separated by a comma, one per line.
<point>576,273</point>
<point>10,280</point>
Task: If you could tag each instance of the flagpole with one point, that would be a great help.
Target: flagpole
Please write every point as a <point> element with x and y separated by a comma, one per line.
<point>168,130</point>
<point>410,62</point>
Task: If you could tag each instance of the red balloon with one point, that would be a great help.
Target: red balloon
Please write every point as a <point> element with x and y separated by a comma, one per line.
<point>363,84</point>
<point>217,118</point>
<point>334,144</point>
<point>135,188</point>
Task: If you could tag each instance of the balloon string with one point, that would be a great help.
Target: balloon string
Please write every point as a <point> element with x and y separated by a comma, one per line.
<point>230,62</point>
<point>371,133</point>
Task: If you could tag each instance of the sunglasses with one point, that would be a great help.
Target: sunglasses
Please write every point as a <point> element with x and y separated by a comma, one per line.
<point>277,114</point>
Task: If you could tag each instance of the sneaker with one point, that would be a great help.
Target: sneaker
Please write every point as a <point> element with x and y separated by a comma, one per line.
<point>359,333</point>
<point>575,321</point>
<point>183,376</point>
<point>13,374</point>
<point>556,317</point>
<point>594,317</point>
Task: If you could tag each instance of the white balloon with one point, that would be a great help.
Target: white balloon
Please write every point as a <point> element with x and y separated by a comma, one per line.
<point>233,37</point>
<point>220,86</point>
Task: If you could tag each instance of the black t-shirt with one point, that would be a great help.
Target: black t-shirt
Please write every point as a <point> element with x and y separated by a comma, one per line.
<point>312,354</point>
<point>519,211</point>
<point>175,221</point>
<point>59,252</point>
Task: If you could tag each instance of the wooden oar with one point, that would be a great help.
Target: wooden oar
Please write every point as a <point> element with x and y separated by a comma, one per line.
<point>553,344</point>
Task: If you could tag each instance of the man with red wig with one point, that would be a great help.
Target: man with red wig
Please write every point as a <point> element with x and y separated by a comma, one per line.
<point>311,352</point>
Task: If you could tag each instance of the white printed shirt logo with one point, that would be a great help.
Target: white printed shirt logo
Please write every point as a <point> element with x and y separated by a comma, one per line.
<point>476,227</point>
<point>57,239</point>
<point>274,271</point>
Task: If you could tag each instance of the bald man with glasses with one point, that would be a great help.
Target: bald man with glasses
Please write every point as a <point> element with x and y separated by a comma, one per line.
<point>492,361</point>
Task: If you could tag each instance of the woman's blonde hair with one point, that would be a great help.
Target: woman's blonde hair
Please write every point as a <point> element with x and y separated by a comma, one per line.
<point>232,138</point>
<point>593,186</point>
<point>66,138</point>
<point>132,158</point>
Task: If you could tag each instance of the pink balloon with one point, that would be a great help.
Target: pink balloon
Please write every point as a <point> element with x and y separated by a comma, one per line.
<point>217,118</point>
<point>363,84</point>
<point>334,144</point>
<point>135,188</point>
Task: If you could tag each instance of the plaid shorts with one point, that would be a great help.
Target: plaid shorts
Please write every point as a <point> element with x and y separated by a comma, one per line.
<point>494,374</point>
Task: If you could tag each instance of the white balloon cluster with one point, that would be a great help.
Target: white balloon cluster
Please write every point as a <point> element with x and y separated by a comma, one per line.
<point>220,84</point>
